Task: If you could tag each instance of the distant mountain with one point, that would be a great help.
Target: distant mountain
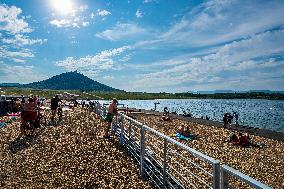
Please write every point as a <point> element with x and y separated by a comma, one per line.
<point>70,81</point>
<point>10,84</point>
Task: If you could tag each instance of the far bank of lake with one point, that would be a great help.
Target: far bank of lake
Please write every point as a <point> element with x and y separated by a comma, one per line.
<point>260,113</point>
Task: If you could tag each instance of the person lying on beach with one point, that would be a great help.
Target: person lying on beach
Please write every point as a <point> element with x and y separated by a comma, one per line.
<point>184,133</point>
<point>233,138</point>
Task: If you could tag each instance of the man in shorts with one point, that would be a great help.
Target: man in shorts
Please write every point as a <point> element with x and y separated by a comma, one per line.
<point>54,105</point>
<point>112,110</point>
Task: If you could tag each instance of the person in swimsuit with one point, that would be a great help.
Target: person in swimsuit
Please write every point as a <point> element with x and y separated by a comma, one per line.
<point>112,110</point>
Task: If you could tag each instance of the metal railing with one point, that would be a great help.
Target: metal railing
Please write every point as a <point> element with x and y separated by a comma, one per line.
<point>167,163</point>
<point>227,171</point>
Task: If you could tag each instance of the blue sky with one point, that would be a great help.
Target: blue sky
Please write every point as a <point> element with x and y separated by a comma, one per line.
<point>146,45</point>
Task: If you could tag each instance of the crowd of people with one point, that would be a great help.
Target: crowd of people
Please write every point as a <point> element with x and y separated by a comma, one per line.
<point>30,110</point>
<point>31,104</point>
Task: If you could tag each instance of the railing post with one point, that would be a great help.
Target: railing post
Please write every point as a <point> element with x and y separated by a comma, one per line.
<point>165,163</point>
<point>142,150</point>
<point>216,175</point>
<point>129,129</point>
<point>224,179</point>
<point>121,140</point>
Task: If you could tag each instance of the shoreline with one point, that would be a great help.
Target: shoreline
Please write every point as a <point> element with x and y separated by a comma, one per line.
<point>275,135</point>
<point>263,163</point>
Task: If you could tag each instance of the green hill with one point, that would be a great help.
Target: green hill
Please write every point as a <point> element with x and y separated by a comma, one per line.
<point>70,81</point>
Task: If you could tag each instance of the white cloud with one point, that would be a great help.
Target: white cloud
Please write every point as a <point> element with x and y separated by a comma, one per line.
<point>82,8</point>
<point>91,65</point>
<point>22,73</point>
<point>139,13</point>
<point>9,21</point>
<point>103,12</point>
<point>21,40</point>
<point>92,15</point>
<point>108,77</point>
<point>215,22</point>
<point>120,31</point>
<point>75,19</point>
<point>242,58</point>
<point>14,30</point>
<point>18,55</point>
<point>85,24</point>
<point>148,1</point>
<point>75,22</point>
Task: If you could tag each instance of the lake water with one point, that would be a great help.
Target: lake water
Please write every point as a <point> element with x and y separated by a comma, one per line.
<point>267,114</point>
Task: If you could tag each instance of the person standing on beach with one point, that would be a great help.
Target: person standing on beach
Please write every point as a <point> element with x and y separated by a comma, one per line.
<point>54,105</point>
<point>112,110</point>
<point>236,115</point>
<point>23,101</point>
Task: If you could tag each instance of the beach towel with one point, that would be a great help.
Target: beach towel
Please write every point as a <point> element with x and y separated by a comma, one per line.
<point>14,114</point>
<point>2,124</point>
<point>182,137</point>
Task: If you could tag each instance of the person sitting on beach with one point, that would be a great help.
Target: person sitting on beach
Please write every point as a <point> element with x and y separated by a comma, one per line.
<point>181,129</point>
<point>166,115</point>
<point>166,118</point>
<point>244,140</point>
<point>112,110</point>
<point>233,138</point>
<point>186,132</point>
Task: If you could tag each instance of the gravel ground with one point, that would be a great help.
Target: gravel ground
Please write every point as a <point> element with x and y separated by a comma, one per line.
<point>69,155</point>
<point>264,164</point>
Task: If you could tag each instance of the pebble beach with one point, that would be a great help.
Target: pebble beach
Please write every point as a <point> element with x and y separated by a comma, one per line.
<point>265,164</point>
<point>72,154</point>
<point>68,155</point>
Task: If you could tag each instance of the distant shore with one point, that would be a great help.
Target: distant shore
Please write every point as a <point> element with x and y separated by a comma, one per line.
<point>96,95</point>
<point>275,135</point>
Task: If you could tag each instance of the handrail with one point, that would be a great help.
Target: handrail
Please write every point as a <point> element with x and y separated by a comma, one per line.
<point>251,181</point>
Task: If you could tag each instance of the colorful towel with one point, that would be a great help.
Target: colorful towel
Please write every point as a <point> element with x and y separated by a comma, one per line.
<point>14,114</point>
<point>2,124</point>
<point>182,137</point>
